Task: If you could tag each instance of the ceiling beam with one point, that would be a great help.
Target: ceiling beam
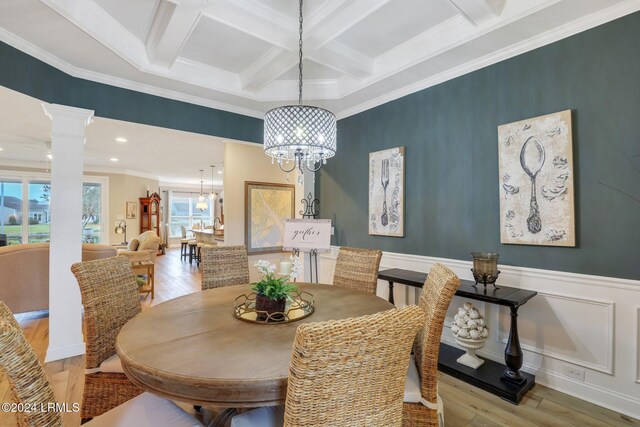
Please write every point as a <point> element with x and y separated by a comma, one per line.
<point>172,25</point>
<point>478,12</point>
<point>271,65</point>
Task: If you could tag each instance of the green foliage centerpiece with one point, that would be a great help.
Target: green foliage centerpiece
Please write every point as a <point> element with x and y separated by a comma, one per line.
<point>273,291</point>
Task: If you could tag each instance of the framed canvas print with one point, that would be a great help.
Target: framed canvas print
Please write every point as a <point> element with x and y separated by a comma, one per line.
<point>386,192</point>
<point>132,210</point>
<point>266,209</point>
<point>536,181</point>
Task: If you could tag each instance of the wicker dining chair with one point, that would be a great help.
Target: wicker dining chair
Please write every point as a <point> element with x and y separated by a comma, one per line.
<point>224,266</point>
<point>27,380</point>
<point>422,404</point>
<point>30,388</point>
<point>346,373</point>
<point>357,269</point>
<point>110,299</point>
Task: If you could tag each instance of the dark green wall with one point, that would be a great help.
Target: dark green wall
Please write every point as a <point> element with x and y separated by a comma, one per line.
<point>450,135</point>
<point>23,73</point>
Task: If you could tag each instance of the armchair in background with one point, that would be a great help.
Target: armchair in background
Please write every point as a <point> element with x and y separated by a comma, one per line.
<point>142,248</point>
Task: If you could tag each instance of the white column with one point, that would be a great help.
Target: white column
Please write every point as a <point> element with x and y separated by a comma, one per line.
<point>65,307</point>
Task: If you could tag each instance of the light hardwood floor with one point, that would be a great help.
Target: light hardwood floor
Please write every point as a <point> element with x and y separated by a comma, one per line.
<point>464,405</point>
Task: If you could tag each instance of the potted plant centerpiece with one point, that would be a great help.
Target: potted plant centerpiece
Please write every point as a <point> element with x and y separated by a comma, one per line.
<point>273,291</point>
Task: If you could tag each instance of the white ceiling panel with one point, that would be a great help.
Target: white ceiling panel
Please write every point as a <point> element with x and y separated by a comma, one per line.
<point>220,46</point>
<point>395,23</point>
<point>136,16</point>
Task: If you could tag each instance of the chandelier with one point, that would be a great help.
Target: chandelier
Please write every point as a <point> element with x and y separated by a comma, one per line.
<point>212,195</point>
<point>303,134</point>
<point>202,203</point>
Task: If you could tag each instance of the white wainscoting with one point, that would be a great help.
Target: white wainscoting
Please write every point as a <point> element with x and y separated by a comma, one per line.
<point>576,321</point>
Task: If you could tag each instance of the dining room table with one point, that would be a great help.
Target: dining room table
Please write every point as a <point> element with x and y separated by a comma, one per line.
<point>194,349</point>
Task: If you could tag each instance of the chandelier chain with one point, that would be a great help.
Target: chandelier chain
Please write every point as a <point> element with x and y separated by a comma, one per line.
<point>300,59</point>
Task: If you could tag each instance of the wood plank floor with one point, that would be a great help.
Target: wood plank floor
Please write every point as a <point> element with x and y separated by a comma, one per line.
<point>464,405</point>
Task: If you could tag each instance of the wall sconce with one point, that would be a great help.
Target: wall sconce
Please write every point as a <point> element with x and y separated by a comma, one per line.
<point>122,229</point>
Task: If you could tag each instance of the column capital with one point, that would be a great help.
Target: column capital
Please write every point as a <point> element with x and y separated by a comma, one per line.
<point>66,120</point>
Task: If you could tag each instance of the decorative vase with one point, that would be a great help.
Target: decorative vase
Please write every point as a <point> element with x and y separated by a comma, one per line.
<point>272,309</point>
<point>469,358</point>
<point>470,332</point>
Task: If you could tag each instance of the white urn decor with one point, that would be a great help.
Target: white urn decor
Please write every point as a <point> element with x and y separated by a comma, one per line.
<point>470,332</point>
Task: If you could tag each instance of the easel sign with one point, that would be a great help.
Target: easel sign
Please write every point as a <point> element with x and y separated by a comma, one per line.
<point>307,235</point>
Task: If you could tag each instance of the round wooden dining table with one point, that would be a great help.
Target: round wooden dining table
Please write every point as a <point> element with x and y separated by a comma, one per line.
<point>195,350</point>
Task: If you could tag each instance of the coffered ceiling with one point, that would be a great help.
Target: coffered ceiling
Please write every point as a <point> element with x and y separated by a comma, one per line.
<point>241,55</point>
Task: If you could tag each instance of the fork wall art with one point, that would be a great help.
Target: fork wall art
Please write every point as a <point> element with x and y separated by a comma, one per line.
<point>386,192</point>
<point>536,181</point>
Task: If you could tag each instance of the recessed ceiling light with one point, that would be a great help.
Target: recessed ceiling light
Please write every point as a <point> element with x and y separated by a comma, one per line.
<point>114,159</point>
<point>1,149</point>
<point>121,139</point>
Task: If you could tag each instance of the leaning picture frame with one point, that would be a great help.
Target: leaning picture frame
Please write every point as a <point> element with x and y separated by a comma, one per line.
<point>267,208</point>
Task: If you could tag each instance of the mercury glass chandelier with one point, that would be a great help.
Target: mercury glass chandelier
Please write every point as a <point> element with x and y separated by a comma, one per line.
<point>202,203</point>
<point>301,134</point>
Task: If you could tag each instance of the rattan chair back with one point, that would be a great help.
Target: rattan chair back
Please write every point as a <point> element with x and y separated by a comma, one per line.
<point>224,266</point>
<point>437,292</point>
<point>351,372</point>
<point>357,269</point>
<point>27,379</point>
<point>110,298</point>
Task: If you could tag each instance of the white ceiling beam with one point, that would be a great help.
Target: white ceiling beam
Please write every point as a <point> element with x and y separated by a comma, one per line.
<point>172,25</point>
<point>271,65</point>
<point>344,59</point>
<point>478,12</point>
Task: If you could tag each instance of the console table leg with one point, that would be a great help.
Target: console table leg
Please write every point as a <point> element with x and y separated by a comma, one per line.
<point>513,356</point>
<point>391,293</point>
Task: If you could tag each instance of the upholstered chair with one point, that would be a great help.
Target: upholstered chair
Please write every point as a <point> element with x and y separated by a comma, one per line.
<point>346,373</point>
<point>142,248</point>
<point>30,387</point>
<point>224,266</point>
<point>110,299</point>
<point>357,269</point>
<point>422,404</point>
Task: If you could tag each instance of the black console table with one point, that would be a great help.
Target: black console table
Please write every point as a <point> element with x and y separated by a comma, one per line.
<point>508,381</point>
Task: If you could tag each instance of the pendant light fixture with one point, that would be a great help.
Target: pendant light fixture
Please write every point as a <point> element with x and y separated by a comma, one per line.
<point>202,204</point>
<point>212,195</point>
<point>300,133</point>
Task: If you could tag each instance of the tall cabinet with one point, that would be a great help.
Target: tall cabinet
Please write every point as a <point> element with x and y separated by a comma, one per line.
<point>150,213</point>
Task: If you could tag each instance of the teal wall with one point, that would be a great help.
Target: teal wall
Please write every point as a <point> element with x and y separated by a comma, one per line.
<point>23,73</point>
<point>450,135</point>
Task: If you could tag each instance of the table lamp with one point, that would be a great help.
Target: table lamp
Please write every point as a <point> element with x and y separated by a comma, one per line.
<point>122,229</point>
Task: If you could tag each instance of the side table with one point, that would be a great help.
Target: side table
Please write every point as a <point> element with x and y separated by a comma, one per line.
<point>147,268</point>
<point>508,381</point>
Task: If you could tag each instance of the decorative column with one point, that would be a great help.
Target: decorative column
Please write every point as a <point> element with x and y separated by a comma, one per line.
<point>65,307</point>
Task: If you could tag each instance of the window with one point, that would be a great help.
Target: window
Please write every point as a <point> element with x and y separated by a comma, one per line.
<point>183,213</point>
<point>38,211</point>
<point>11,211</point>
<point>31,195</point>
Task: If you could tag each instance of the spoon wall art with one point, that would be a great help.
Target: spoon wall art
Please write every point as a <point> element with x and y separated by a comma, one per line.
<point>536,181</point>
